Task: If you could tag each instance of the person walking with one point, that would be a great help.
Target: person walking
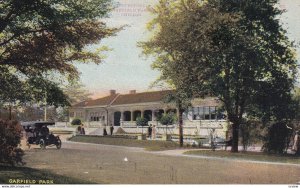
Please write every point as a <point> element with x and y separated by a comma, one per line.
<point>111,129</point>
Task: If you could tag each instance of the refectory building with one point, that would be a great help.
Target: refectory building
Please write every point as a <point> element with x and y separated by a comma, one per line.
<point>122,110</point>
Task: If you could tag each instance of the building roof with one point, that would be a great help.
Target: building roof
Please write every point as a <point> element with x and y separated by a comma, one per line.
<point>81,104</point>
<point>119,99</point>
<point>145,97</point>
<point>104,101</point>
<point>208,101</point>
<point>135,98</point>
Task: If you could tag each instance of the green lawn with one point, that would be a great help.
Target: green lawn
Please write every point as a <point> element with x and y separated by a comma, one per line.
<point>111,140</point>
<point>26,175</point>
<point>256,156</point>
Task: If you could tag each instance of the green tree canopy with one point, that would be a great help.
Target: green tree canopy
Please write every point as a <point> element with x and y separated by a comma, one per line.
<point>168,119</point>
<point>77,92</point>
<point>234,50</point>
<point>42,36</point>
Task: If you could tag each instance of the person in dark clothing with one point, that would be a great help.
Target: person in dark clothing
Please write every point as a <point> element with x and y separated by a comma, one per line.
<point>104,131</point>
<point>82,130</point>
<point>150,130</point>
<point>79,129</point>
<point>111,129</point>
<point>44,131</point>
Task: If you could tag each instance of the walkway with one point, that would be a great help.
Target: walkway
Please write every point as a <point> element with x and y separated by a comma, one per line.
<point>175,152</point>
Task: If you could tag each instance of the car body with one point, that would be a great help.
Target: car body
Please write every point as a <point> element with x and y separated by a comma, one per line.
<point>37,133</point>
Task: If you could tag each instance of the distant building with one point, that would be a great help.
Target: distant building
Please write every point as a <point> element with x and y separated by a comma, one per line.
<point>121,110</point>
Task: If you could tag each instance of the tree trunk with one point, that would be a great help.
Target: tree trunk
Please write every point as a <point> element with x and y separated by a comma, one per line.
<point>180,129</point>
<point>10,113</point>
<point>180,122</point>
<point>235,137</point>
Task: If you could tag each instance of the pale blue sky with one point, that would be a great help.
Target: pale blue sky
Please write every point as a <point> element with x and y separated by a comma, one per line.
<point>124,69</point>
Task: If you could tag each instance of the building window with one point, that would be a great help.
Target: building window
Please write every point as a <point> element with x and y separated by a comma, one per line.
<point>92,116</point>
<point>95,116</point>
<point>72,114</point>
<point>204,113</point>
<point>213,111</point>
<point>196,114</point>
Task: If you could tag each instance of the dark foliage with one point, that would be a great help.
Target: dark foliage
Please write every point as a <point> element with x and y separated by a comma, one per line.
<point>140,121</point>
<point>10,138</point>
<point>76,122</point>
<point>277,138</point>
<point>168,119</point>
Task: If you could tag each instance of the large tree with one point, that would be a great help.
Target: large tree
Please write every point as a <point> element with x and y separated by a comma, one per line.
<point>77,92</point>
<point>42,36</point>
<point>234,50</point>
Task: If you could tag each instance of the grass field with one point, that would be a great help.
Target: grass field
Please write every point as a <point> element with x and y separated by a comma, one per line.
<point>151,145</point>
<point>26,175</point>
<point>256,156</point>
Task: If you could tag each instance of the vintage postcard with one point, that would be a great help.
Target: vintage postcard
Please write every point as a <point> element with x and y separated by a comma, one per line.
<point>153,92</point>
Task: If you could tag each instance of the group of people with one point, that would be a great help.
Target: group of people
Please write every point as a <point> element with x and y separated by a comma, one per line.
<point>111,128</point>
<point>81,130</point>
<point>37,132</point>
<point>152,131</point>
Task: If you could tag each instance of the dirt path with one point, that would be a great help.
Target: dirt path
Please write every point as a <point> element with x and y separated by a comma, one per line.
<point>123,165</point>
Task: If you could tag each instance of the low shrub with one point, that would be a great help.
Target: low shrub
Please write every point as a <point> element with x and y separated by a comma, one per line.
<point>168,119</point>
<point>76,121</point>
<point>141,121</point>
<point>10,138</point>
<point>277,138</point>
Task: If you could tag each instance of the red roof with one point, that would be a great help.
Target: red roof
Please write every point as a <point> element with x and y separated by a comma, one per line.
<point>145,97</point>
<point>102,101</point>
<point>81,104</point>
<point>118,99</point>
<point>154,96</point>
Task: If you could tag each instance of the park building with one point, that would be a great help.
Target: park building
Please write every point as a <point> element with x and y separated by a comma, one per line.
<point>122,110</point>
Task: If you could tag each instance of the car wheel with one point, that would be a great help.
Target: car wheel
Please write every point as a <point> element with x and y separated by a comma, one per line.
<point>58,143</point>
<point>42,144</point>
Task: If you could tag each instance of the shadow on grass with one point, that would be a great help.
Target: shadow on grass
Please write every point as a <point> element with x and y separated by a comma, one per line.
<point>255,156</point>
<point>26,175</point>
<point>151,145</point>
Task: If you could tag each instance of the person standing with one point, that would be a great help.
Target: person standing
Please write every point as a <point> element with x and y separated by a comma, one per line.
<point>79,129</point>
<point>82,129</point>
<point>154,132</point>
<point>104,131</point>
<point>296,142</point>
<point>111,129</point>
<point>150,131</point>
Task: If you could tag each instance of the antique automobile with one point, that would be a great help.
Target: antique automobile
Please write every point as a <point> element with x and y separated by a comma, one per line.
<point>37,133</point>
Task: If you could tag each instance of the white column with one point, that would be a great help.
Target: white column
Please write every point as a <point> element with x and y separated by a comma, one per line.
<point>153,118</point>
<point>165,111</point>
<point>142,113</point>
<point>131,115</point>
<point>122,116</point>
